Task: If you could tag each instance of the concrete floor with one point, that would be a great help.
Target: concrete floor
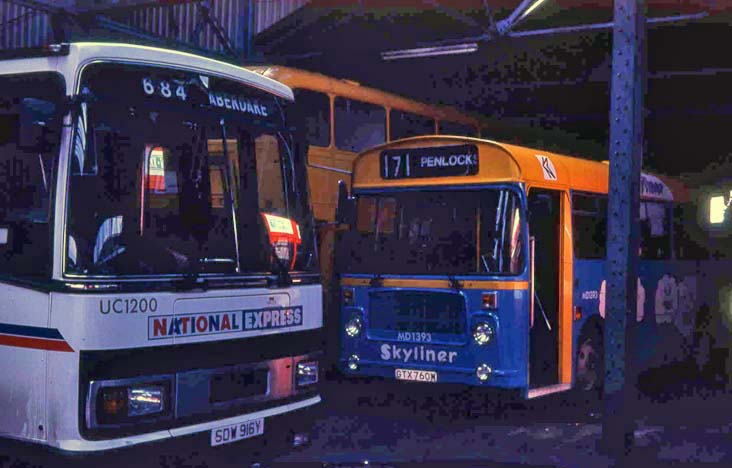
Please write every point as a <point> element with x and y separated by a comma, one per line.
<point>399,424</point>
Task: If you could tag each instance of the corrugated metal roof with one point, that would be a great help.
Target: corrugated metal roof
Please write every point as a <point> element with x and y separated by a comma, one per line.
<point>22,27</point>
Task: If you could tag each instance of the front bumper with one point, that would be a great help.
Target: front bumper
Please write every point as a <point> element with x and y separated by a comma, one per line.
<point>203,429</point>
<point>453,375</point>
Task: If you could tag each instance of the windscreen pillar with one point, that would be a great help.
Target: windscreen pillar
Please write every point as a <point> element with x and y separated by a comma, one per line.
<point>626,156</point>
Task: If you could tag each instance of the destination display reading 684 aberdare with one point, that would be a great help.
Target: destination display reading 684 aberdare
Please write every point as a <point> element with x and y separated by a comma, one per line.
<point>443,161</point>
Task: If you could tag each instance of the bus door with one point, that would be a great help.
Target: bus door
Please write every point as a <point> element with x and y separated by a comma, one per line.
<point>545,229</point>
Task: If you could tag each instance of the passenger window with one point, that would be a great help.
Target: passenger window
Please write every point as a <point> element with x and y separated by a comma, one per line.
<point>269,175</point>
<point>315,107</point>
<point>655,243</point>
<point>589,220</point>
<point>358,125</point>
<point>454,128</point>
<point>405,125</point>
<point>30,128</point>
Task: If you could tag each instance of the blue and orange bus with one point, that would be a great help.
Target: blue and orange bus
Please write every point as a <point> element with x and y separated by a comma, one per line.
<point>475,262</point>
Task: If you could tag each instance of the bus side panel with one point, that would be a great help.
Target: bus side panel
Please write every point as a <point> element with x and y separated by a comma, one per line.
<point>668,300</point>
<point>25,344</point>
<point>671,304</point>
<point>588,279</point>
<point>63,398</point>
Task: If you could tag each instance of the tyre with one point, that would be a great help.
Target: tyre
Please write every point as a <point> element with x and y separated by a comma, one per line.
<point>590,364</point>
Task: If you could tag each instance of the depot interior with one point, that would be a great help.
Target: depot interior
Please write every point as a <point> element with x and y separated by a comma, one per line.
<point>536,73</point>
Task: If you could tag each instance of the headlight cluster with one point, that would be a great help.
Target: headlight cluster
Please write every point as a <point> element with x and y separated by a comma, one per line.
<point>353,361</point>
<point>120,404</point>
<point>354,326</point>
<point>306,373</point>
<point>483,333</point>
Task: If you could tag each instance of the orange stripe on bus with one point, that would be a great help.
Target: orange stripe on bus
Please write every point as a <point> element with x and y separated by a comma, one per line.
<point>439,284</point>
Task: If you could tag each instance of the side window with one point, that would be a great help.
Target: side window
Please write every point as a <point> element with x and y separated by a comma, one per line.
<point>689,240</point>
<point>655,240</point>
<point>315,110</point>
<point>589,223</point>
<point>405,124</point>
<point>454,128</point>
<point>358,125</point>
<point>30,128</point>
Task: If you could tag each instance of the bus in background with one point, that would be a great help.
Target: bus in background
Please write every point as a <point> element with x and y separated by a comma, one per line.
<point>159,276</point>
<point>344,118</point>
<point>475,262</point>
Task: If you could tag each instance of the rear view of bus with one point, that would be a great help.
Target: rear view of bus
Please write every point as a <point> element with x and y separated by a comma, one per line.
<point>433,270</point>
<point>159,277</point>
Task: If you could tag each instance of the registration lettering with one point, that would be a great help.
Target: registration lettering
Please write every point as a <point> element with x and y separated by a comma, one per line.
<point>235,432</point>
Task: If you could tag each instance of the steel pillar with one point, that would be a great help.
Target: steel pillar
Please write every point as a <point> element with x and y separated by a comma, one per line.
<point>626,157</point>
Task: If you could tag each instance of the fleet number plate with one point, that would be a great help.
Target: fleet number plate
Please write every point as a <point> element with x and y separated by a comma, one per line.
<point>415,375</point>
<point>235,432</point>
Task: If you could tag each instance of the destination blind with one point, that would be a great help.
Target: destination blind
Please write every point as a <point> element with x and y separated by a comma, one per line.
<point>442,161</point>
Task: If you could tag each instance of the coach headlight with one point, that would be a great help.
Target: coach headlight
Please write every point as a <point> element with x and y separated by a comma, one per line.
<point>483,333</point>
<point>123,402</point>
<point>353,326</point>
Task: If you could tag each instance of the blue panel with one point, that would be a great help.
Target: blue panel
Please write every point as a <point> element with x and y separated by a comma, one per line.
<point>506,354</point>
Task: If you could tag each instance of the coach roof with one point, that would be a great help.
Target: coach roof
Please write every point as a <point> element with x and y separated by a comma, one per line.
<point>83,53</point>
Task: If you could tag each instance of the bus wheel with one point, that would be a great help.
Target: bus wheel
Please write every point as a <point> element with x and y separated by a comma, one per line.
<point>589,367</point>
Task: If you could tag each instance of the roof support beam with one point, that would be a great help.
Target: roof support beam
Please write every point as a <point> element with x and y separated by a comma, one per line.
<point>627,90</point>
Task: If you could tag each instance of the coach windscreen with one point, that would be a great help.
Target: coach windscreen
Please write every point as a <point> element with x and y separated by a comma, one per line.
<point>171,172</point>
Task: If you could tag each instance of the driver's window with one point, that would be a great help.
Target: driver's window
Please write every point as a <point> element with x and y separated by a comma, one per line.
<point>30,125</point>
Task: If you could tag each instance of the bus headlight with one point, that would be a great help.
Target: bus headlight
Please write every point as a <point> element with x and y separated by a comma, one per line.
<point>483,372</point>
<point>353,327</point>
<point>148,399</point>
<point>483,333</point>
<point>306,373</point>
<point>353,362</point>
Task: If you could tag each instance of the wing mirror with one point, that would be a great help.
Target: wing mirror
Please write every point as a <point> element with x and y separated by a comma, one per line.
<point>346,208</point>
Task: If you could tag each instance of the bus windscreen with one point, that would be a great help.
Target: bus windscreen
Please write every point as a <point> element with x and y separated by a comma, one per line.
<point>438,233</point>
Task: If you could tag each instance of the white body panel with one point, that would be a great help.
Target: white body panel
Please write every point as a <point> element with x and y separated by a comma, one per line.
<point>39,394</point>
<point>23,386</point>
<point>80,320</point>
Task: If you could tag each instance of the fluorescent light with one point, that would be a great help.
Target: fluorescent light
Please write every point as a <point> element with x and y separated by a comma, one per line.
<point>430,51</point>
<point>717,209</point>
<point>533,7</point>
